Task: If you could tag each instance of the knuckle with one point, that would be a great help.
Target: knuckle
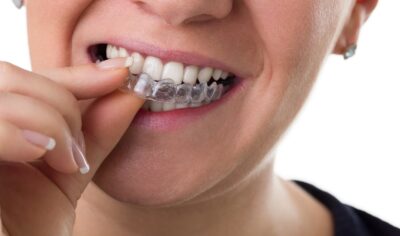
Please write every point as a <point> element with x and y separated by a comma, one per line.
<point>6,69</point>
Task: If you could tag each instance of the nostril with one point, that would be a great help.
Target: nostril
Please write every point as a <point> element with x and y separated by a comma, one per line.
<point>143,6</point>
<point>199,18</point>
<point>176,12</point>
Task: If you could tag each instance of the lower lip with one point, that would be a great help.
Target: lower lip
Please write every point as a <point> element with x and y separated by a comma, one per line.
<point>178,119</point>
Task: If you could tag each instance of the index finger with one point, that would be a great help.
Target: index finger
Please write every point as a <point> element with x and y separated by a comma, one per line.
<point>91,80</point>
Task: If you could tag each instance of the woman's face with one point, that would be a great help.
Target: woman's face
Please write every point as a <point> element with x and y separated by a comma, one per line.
<point>274,47</point>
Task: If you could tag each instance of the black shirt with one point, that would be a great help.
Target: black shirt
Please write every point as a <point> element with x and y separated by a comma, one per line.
<point>349,221</point>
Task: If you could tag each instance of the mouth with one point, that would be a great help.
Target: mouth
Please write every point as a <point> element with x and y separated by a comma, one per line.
<point>198,85</point>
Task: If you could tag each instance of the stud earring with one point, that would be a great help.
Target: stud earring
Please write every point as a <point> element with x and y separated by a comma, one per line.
<point>18,3</point>
<point>350,51</point>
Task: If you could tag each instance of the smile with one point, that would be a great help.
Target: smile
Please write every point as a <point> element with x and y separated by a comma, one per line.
<point>175,85</point>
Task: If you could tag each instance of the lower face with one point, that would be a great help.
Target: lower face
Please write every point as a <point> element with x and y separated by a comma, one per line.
<point>271,49</point>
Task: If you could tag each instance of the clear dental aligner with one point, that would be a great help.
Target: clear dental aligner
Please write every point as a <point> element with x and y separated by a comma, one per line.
<point>166,90</point>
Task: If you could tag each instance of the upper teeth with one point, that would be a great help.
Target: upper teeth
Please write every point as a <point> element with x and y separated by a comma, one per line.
<point>176,71</point>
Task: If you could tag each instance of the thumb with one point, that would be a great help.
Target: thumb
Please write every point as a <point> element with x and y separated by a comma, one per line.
<point>104,123</point>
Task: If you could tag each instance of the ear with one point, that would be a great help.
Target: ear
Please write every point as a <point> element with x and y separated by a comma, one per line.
<point>351,31</point>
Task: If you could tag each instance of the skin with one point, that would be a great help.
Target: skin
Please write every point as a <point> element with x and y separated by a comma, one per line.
<point>219,180</point>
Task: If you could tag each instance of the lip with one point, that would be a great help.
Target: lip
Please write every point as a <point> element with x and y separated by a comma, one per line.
<point>188,58</point>
<point>178,119</point>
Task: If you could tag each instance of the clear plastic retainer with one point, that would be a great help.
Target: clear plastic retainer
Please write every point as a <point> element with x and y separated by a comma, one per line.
<point>166,90</point>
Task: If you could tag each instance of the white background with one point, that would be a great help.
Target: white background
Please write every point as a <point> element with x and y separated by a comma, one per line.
<point>346,139</point>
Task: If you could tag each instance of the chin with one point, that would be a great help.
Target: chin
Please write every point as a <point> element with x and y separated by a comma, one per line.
<point>144,176</point>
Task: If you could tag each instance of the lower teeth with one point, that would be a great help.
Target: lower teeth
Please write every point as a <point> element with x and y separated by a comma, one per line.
<point>167,92</point>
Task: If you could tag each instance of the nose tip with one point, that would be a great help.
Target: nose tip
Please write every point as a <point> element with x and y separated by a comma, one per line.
<point>176,12</point>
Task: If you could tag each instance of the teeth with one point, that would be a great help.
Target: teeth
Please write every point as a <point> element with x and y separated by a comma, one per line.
<point>181,106</point>
<point>138,62</point>
<point>217,74</point>
<point>109,50</point>
<point>164,91</point>
<point>224,75</point>
<point>190,74</point>
<point>168,106</point>
<point>156,106</point>
<point>178,88</point>
<point>123,53</point>
<point>153,67</point>
<point>183,93</point>
<point>205,74</point>
<point>210,92</point>
<point>201,94</point>
<point>174,71</point>
<point>114,52</point>
<point>198,93</point>
<point>195,104</point>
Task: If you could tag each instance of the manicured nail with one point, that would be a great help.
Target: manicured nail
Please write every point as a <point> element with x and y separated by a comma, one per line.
<point>80,139</point>
<point>39,139</point>
<point>115,63</point>
<point>79,157</point>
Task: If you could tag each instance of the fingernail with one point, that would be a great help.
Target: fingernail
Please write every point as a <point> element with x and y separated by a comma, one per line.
<point>79,157</point>
<point>81,142</point>
<point>39,139</point>
<point>115,63</point>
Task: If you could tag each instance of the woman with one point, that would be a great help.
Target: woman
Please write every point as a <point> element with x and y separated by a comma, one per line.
<point>81,157</point>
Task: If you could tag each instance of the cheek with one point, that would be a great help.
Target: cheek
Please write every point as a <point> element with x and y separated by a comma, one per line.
<point>50,28</point>
<point>297,36</point>
<point>294,30</point>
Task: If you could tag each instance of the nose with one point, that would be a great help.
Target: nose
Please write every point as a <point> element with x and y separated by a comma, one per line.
<point>176,12</point>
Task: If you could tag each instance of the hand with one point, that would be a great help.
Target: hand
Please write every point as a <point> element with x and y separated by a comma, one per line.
<point>39,188</point>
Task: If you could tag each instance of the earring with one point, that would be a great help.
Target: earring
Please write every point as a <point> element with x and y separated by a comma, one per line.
<point>350,51</point>
<point>18,3</point>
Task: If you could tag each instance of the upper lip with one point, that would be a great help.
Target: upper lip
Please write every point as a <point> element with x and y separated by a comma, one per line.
<point>188,58</point>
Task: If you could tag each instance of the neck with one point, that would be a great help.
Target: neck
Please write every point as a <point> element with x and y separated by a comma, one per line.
<point>261,205</point>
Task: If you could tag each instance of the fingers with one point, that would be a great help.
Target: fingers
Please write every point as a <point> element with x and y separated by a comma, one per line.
<point>16,80</point>
<point>53,94</point>
<point>104,124</point>
<point>91,80</point>
<point>30,114</point>
<point>112,116</point>
<point>15,147</point>
<point>63,86</point>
